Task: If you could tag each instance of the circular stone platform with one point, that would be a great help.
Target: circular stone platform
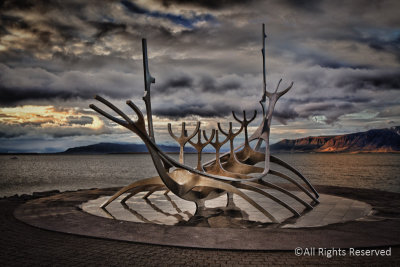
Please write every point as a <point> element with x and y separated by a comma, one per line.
<point>62,213</point>
<point>172,210</point>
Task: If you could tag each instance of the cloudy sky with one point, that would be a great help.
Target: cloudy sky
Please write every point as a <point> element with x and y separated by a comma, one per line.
<point>343,57</point>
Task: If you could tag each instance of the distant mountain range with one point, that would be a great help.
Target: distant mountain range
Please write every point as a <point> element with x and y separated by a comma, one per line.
<point>110,148</point>
<point>378,140</point>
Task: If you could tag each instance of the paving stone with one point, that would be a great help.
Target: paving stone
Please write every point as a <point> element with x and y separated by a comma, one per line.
<point>24,245</point>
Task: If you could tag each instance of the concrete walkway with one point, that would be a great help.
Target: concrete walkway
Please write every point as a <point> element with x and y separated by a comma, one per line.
<point>23,245</point>
<point>61,213</point>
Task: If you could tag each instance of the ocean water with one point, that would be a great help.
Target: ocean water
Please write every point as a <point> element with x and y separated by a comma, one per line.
<point>35,173</point>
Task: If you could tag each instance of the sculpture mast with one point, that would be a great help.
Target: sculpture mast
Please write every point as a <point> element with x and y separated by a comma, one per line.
<point>264,36</point>
<point>148,80</point>
<point>264,96</point>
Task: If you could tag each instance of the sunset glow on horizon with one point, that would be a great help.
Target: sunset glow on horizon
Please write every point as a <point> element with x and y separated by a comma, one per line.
<point>48,116</point>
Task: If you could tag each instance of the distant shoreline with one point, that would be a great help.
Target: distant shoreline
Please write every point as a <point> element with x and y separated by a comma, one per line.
<point>375,141</point>
<point>192,153</point>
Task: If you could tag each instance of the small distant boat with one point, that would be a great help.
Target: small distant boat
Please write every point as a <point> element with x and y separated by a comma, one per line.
<point>14,157</point>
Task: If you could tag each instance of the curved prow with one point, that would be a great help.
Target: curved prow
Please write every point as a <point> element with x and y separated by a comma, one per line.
<point>139,128</point>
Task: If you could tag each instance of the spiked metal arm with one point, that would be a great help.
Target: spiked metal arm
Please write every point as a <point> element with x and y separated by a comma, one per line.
<point>263,131</point>
<point>245,122</point>
<point>231,136</point>
<point>148,80</point>
<point>183,139</point>
<point>199,146</point>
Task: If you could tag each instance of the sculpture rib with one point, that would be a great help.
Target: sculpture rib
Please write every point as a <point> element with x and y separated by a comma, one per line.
<point>292,169</point>
<point>175,206</point>
<point>284,176</point>
<point>217,168</point>
<point>152,190</point>
<point>229,188</point>
<point>277,200</point>
<point>232,164</point>
<point>135,191</point>
<point>280,162</point>
<point>157,209</point>
<point>265,184</point>
<point>137,214</point>
<point>149,181</point>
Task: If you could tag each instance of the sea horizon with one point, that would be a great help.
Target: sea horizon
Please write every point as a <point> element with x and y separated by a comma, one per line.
<point>43,172</point>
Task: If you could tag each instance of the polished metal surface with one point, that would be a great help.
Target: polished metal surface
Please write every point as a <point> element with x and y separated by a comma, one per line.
<point>228,174</point>
<point>172,210</point>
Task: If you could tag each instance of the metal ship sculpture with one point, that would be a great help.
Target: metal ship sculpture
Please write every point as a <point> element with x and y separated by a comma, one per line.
<point>228,173</point>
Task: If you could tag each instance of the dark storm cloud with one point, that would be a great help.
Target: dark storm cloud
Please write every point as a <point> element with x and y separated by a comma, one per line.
<point>319,107</point>
<point>346,98</point>
<point>178,19</point>
<point>200,109</point>
<point>317,92</point>
<point>46,35</point>
<point>18,4</point>
<point>8,134</point>
<point>336,64</point>
<point>286,114</point>
<point>21,85</point>
<point>105,28</point>
<point>210,84</point>
<point>205,110</point>
<point>80,120</point>
<point>13,22</point>
<point>184,81</point>
<point>199,84</point>
<point>43,6</point>
<point>132,7</point>
<point>12,96</point>
<point>330,110</point>
<point>305,5</point>
<point>18,23</point>
<point>329,94</point>
<point>172,84</point>
<point>391,45</point>
<point>210,4</point>
<point>377,80</point>
<point>61,24</point>
<point>13,131</point>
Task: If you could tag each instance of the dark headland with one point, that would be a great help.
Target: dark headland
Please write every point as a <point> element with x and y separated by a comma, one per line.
<point>115,148</point>
<point>372,141</point>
